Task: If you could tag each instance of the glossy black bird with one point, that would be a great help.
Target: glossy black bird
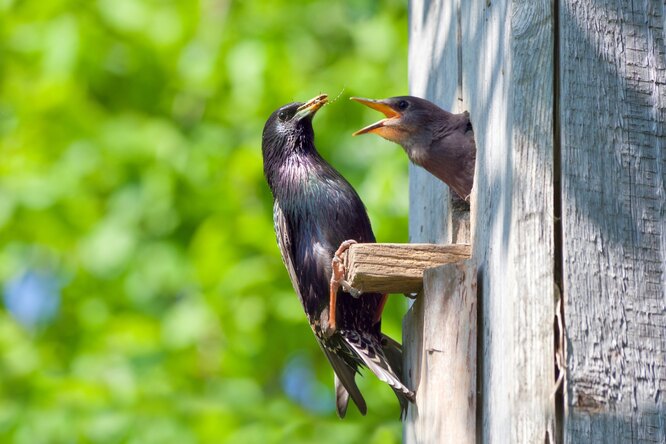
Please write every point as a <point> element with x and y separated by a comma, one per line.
<point>437,140</point>
<point>315,209</point>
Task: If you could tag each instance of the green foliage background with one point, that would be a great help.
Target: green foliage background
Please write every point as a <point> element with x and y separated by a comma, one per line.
<point>131,173</point>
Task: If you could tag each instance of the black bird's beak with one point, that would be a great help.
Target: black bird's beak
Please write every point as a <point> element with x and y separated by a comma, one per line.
<point>311,106</point>
<point>380,106</point>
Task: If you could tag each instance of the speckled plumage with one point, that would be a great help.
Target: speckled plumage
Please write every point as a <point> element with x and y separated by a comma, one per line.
<point>316,209</point>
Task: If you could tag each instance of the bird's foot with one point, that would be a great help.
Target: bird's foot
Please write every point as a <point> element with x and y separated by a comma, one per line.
<point>411,295</point>
<point>339,271</point>
<point>337,281</point>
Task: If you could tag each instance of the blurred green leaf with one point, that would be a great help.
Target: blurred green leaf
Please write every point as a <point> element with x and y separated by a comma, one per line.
<point>130,138</point>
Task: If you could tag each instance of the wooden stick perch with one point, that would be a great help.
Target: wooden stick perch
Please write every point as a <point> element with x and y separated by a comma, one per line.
<point>397,268</point>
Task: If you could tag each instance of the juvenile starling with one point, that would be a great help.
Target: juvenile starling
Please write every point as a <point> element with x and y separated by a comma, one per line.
<point>315,210</point>
<point>440,142</point>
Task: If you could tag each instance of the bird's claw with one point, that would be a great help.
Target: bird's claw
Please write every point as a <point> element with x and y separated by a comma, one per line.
<point>338,279</point>
<point>339,270</point>
<point>344,246</point>
<point>354,292</point>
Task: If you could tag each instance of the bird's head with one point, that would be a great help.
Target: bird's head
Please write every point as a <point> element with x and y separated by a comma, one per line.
<point>408,119</point>
<point>290,126</point>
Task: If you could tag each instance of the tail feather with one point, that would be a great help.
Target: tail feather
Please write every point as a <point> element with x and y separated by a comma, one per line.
<point>369,350</point>
<point>345,384</point>
<point>393,352</point>
<point>341,397</point>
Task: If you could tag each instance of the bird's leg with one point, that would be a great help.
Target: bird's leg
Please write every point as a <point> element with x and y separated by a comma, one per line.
<point>337,281</point>
<point>332,302</point>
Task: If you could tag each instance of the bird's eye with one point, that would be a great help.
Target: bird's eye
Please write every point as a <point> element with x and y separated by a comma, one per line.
<point>282,115</point>
<point>403,104</point>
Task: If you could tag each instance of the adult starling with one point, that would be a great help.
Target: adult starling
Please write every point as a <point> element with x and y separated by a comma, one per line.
<point>315,210</point>
<point>440,142</point>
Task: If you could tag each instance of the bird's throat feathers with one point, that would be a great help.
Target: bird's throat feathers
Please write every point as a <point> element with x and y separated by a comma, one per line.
<point>300,175</point>
<point>303,176</point>
<point>284,152</point>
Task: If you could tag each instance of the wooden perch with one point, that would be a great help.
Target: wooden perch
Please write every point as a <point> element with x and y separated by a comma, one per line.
<point>439,340</point>
<point>397,268</point>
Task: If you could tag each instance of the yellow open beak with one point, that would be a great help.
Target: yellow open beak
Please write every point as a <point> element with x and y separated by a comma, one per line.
<point>311,106</point>
<point>380,106</point>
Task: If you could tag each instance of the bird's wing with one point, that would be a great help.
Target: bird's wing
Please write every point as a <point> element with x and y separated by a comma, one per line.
<point>284,243</point>
<point>345,385</point>
<point>370,352</point>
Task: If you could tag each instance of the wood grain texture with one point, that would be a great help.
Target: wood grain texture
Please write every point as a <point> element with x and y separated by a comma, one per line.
<point>397,268</point>
<point>433,74</point>
<point>433,31</point>
<point>613,112</point>
<point>508,87</point>
<point>444,365</point>
<point>498,58</point>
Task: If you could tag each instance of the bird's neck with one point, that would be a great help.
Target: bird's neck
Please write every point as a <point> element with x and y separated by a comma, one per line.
<point>302,172</point>
<point>420,145</point>
<point>417,145</point>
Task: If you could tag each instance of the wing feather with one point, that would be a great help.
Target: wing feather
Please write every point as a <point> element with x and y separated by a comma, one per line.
<point>345,384</point>
<point>371,354</point>
<point>282,233</point>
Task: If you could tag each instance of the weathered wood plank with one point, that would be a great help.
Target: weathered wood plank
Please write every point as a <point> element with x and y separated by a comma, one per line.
<point>508,88</point>
<point>397,268</point>
<point>444,365</point>
<point>498,58</point>
<point>613,112</point>
<point>433,75</point>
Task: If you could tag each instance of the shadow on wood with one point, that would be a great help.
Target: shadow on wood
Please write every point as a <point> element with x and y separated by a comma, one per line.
<point>441,329</point>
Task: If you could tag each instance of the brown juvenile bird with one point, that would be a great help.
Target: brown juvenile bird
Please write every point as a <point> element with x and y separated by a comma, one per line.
<point>437,140</point>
